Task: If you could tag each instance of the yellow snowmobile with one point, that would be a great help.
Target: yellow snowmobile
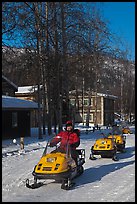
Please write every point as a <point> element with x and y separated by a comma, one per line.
<point>126,130</point>
<point>120,141</point>
<point>105,147</point>
<point>59,166</point>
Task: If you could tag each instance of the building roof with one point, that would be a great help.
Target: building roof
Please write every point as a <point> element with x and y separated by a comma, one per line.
<point>107,95</point>
<point>86,93</point>
<point>10,82</point>
<point>9,102</point>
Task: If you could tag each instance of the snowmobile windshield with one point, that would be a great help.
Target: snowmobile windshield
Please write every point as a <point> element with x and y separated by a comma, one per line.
<point>117,130</point>
<point>57,148</point>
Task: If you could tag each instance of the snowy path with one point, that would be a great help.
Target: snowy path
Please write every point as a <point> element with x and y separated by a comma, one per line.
<point>103,180</point>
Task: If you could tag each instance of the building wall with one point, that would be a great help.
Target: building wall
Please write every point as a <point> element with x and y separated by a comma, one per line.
<point>108,111</point>
<point>14,127</point>
<point>104,111</point>
<point>30,97</point>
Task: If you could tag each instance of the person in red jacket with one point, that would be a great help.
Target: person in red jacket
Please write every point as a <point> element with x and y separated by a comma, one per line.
<point>69,136</point>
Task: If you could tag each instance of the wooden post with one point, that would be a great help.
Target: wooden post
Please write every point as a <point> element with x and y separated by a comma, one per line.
<point>21,143</point>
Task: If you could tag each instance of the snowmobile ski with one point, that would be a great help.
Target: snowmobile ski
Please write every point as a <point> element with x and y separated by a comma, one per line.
<point>67,185</point>
<point>91,157</point>
<point>34,185</point>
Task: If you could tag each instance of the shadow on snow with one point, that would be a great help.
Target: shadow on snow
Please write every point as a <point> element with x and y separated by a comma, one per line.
<point>94,174</point>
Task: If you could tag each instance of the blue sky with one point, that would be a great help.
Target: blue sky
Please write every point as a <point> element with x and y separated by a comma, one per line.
<point>121,16</point>
<point>120,19</point>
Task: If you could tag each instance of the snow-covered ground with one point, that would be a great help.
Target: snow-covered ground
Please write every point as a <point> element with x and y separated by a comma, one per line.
<point>103,180</point>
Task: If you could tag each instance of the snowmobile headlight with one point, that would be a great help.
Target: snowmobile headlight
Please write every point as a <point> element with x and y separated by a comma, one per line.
<point>50,159</point>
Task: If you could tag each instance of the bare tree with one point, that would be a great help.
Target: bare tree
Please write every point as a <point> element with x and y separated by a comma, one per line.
<point>62,41</point>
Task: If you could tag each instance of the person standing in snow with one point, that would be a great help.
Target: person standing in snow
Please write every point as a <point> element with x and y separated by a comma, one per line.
<point>69,136</point>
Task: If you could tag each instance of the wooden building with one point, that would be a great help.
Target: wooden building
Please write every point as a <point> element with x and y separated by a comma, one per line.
<point>17,114</point>
<point>30,93</point>
<point>97,108</point>
<point>16,117</point>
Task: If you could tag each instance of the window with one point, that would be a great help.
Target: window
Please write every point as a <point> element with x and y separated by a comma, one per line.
<point>14,119</point>
<point>80,102</point>
<point>85,117</point>
<point>72,102</point>
<point>90,117</point>
<point>86,102</point>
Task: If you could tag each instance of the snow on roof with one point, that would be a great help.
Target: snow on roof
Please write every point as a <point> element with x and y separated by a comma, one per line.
<point>27,89</point>
<point>99,94</point>
<point>9,102</point>
<point>117,114</point>
<point>107,95</point>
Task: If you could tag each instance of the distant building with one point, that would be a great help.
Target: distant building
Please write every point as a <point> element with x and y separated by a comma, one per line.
<point>17,114</point>
<point>29,93</point>
<point>97,108</point>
